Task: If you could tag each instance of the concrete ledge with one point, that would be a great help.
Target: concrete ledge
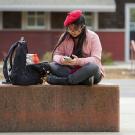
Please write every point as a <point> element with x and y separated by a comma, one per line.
<point>59,108</point>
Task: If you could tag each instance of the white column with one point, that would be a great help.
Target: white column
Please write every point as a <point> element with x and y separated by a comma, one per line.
<point>95,21</point>
<point>127,34</point>
<point>24,21</point>
<point>1,21</point>
<point>48,20</point>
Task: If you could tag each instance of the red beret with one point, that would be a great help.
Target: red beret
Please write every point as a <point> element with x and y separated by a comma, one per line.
<point>72,16</point>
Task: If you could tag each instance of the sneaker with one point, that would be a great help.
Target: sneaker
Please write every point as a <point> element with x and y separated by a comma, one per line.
<point>89,81</point>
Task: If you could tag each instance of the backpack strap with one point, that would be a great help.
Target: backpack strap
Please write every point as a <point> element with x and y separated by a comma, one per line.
<point>11,56</point>
<point>5,60</point>
<point>20,42</point>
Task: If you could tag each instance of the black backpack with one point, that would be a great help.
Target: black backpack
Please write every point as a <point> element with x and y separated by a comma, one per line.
<point>15,69</point>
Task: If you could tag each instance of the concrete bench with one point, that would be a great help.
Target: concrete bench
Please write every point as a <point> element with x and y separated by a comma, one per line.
<point>59,108</point>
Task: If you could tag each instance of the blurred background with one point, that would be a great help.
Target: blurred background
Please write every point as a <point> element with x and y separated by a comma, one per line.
<point>41,23</point>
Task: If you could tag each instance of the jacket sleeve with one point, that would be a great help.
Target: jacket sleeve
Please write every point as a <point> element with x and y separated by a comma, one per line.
<point>58,58</point>
<point>59,53</point>
<point>95,53</point>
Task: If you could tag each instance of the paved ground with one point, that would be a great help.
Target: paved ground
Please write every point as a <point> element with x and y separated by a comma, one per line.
<point>127,86</point>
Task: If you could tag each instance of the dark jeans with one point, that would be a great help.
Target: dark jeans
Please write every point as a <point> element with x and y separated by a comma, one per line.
<point>81,76</point>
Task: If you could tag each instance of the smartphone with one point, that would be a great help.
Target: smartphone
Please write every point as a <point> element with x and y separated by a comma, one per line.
<point>66,58</point>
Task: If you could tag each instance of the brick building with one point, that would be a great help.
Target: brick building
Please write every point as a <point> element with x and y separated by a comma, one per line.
<point>41,23</point>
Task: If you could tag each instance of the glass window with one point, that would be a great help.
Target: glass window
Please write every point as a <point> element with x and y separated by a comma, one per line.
<point>35,20</point>
<point>40,21</point>
<point>11,20</point>
<point>57,19</point>
<point>132,19</point>
<point>89,19</point>
<point>108,21</point>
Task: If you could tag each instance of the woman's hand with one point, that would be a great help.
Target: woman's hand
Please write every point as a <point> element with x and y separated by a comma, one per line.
<point>74,60</point>
<point>71,62</point>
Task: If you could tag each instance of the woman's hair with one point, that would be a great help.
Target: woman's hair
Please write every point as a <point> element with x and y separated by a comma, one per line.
<point>80,21</point>
<point>78,49</point>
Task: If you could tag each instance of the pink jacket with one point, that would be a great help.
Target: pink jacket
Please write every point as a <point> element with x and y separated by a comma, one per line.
<point>91,50</point>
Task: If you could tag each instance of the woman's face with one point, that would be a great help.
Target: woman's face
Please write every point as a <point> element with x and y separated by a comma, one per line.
<point>74,30</point>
